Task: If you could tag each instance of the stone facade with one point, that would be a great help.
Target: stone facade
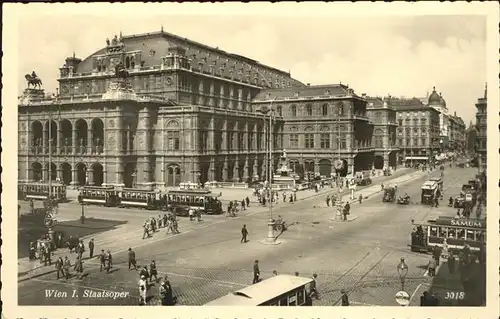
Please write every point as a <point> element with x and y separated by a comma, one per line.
<point>418,131</point>
<point>384,139</point>
<point>482,128</point>
<point>322,124</point>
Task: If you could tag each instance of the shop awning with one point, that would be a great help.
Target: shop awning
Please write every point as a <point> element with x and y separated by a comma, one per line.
<point>421,158</point>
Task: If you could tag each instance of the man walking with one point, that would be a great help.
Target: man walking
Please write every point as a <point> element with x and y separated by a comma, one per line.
<point>244,234</point>
<point>102,260</point>
<point>131,259</point>
<point>91,248</point>
<point>59,267</point>
<point>153,271</point>
<point>66,266</point>
<point>256,272</point>
<point>247,200</point>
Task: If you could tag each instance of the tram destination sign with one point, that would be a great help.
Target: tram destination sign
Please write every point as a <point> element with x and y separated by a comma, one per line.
<point>473,223</point>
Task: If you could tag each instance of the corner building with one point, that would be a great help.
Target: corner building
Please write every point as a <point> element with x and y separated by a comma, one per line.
<point>482,128</point>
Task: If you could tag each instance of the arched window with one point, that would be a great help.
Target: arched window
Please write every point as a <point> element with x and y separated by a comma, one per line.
<point>309,110</point>
<point>294,110</point>
<point>99,67</point>
<point>173,136</point>
<point>324,109</point>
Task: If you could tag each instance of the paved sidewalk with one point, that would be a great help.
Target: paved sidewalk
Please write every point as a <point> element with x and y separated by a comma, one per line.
<point>130,234</point>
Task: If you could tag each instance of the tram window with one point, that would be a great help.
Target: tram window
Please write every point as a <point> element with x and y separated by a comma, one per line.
<point>470,235</point>
<point>461,234</point>
<point>292,300</point>
<point>442,232</point>
<point>452,233</point>
<point>479,235</point>
<point>434,231</point>
<point>284,301</point>
<point>300,296</point>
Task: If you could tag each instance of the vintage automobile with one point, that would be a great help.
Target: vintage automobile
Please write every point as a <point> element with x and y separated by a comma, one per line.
<point>389,194</point>
<point>403,200</point>
<point>429,192</point>
<point>280,225</point>
<point>363,178</point>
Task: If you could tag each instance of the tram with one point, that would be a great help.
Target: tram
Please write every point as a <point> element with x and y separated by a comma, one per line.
<point>139,198</point>
<point>429,192</point>
<point>181,201</point>
<point>281,290</point>
<point>457,232</point>
<point>98,195</point>
<point>40,191</point>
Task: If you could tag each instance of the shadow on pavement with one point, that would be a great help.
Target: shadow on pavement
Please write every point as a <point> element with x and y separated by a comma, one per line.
<point>31,228</point>
<point>464,287</point>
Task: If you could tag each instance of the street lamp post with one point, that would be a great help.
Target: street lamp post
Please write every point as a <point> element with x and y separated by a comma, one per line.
<point>82,218</point>
<point>271,238</point>
<point>402,271</point>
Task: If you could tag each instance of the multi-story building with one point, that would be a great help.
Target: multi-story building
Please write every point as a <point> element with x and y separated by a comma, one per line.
<point>457,134</point>
<point>481,127</point>
<point>384,141</point>
<point>437,102</point>
<point>186,115</point>
<point>471,135</point>
<point>418,132</point>
<point>323,124</point>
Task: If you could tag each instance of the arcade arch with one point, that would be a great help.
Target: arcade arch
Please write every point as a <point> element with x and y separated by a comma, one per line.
<point>81,136</point>
<point>97,129</point>
<point>66,173</point>
<point>130,175</point>
<point>325,167</point>
<point>37,136</point>
<point>66,136</point>
<point>98,174</point>
<point>36,169</point>
<point>81,174</point>
<point>173,175</point>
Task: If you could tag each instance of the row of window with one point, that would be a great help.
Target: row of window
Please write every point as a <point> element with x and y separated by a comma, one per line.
<point>408,142</point>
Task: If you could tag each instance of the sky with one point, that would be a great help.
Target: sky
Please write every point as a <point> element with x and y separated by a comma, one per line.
<point>375,54</point>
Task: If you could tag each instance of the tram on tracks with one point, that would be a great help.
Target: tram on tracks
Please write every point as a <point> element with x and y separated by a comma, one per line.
<point>98,195</point>
<point>139,198</point>
<point>456,232</point>
<point>281,290</point>
<point>181,201</point>
<point>429,192</point>
<point>40,191</point>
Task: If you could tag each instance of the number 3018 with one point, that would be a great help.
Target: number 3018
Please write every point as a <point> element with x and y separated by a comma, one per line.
<point>455,295</point>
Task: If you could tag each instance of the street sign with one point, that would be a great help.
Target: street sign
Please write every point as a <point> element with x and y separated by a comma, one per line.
<point>402,298</point>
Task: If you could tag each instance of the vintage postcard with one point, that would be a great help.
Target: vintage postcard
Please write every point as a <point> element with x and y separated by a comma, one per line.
<point>218,157</point>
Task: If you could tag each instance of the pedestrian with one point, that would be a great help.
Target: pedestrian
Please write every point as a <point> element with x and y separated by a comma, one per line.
<point>256,272</point>
<point>66,267</point>
<point>91,247</point>
<point>163,293</point>
<point>80,249</point>
<point>131,259</point>
<point>314,291</point>
<point>451,263</point>
<point>153,271</point>
<point>431,267</point>
<point>79,267</point>
<point>47,255</point>
<point>191,214</point>
<point>102,260</point>
<point>32,251</point>
<point>344,298</point>
<point>247,200</point>
<point>59,267</point>
<point>284,197</point>
<point>328,201</point>
<point>436,253</point>
<point>294,196</point>
<point>146,229</point>
<point>144,273</point>
<point>143,291</point>
<point>360,198</point>
<point>153,224</point>
<point>244,234</point>
<point>243,205</point>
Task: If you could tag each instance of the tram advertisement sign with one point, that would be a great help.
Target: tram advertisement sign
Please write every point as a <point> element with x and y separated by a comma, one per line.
<point>402,298</point>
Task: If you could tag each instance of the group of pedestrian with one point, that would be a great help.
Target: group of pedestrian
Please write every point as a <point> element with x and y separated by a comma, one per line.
<point>168,221</point>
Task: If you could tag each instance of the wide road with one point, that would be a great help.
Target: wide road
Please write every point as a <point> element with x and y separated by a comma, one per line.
<point>359,256</point>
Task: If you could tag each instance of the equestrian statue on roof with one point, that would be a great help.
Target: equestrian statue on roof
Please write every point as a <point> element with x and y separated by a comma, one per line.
<point>33,80</point>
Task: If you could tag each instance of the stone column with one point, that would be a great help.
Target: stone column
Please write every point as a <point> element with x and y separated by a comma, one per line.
<point>144,146</point>
<point>59,138</point>
<point>222,98</point>
<point>240,99</point>
<point>247,102</point>
<point>45,173</point>
<point>196,170</point>
<point>74,174</point>
<point>255,166</point>
<point>224,136</point>
<point>225,175</point>
<point>246,173</point>
<point>212,94</point>
<point>231,97</point>
<point>236,174</point>
<point>73,143</point>
<point>119,168</point>
<point>89,139</point>
<point>90,174</point>
<point>201,92</point>
<point>211,172</point>
<point>45,139</point>
<point>211,138</point>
